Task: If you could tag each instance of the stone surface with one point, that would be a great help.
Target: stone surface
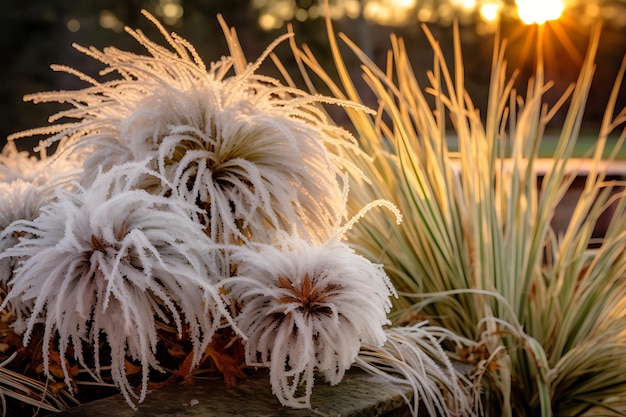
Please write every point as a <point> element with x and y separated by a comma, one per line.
<point>358,395</point>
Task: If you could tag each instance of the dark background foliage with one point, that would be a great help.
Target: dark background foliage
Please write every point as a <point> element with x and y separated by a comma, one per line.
<point>36,34</point>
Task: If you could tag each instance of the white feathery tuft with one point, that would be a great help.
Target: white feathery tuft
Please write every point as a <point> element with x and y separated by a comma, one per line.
<point>307,308</point>
<point>125,258</point>
<point>256,155</point>
<point>412,357</point>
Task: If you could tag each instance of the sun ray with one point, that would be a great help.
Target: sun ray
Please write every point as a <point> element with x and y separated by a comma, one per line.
<point>566,43</point>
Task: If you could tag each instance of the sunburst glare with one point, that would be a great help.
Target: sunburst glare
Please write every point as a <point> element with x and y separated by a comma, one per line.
<point>539,11</point>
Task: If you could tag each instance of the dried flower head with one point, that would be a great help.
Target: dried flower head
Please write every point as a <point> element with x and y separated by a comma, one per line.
<point>255,155</point>
<point>46,171</point>
<point>307,308</point>
<point>111,260</point>
<point>17,165</point>
<point>26,184</point>
<point>19,200</point>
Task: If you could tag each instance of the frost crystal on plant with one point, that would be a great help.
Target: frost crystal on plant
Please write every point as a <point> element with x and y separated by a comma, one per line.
<point>113,260</point>
<point>307,308</point>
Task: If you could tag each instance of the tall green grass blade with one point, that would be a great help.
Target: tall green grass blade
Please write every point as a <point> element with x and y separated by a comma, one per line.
<point>539,312</point>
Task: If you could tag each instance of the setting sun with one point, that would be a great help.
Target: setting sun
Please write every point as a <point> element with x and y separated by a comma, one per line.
<point>539,11</point>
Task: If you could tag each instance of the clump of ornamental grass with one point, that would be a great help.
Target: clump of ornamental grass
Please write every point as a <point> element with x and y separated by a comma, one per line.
<point>477,254</point>
<point>538,314</point>
<point>307,309</point>
<point>200,230</point>
<point>256,156</point>
<point>311,310</point>
<point>126,258</point>
<point>26,184</point>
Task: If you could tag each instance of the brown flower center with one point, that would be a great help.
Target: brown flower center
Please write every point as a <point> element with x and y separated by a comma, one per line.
<point>311,298</point>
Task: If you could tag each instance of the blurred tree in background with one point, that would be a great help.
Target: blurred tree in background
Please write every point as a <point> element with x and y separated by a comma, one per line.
<point>38,33</point>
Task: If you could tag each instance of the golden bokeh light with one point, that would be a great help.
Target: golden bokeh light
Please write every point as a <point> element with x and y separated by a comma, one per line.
<point>352,8</point>
<point>274,14</point>
<point>490,12</point>
<point>73,25</point>
<point>108,20</point>
<point>301,15</point>
<point>268,22</point>
<point>465,4</point>
<point>539,11</point>
<point>486,15</point>
<point>171,11</point>
<point>389,12</point>
<point>426,14</point>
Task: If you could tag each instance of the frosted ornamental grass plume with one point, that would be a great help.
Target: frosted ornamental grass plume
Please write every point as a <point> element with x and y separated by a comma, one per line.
<point>18,165</point>
<point>19,200</point>
<point>48,171</point>
<point>311,309</point>
<point>307,308</point>
<point>113,260</point>
<point>26,184</point>
<point>256,155</point>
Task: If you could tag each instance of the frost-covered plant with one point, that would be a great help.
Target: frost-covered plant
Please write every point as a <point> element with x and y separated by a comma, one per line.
<point>413,356</point>
<point>307,308</point>
<point>19,200</point>
<point>16,165</point>
<point>176,158</point>
<point>113,260</point>
<point>191,174</point>
<point>45,171</point>
<point>255,155</point>
<point>26,183</point>
<point>311,309</point>
<point>538,314</point>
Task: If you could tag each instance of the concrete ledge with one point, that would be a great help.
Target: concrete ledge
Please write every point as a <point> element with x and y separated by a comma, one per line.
<point>578,166</point>
<point>358,395</point>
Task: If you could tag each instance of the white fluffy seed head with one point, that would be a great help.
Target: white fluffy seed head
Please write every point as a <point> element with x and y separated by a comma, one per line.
<point>26,184</point>
<point>256,155</point>
<point>307,308</point>
<point>112,260</point>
